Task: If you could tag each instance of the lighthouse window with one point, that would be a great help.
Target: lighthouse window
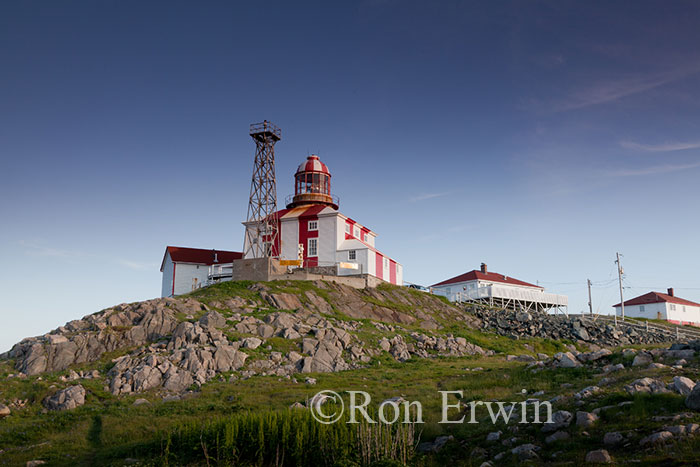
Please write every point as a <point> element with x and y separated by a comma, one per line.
<point>313,225</point>
<point>313,247</point>
<point>352,255</point>
<point>356,233</point>
<point>347,229</point>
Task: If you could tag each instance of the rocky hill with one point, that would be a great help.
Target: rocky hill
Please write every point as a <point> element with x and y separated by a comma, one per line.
<point>263,346</point>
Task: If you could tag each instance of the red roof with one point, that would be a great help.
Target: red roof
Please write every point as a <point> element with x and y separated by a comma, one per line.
<point>657,297</point>
<point>485,276</point>
<point>180,254</point>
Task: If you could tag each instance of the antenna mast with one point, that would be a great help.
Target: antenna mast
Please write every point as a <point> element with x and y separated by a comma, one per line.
<point>261,232</point>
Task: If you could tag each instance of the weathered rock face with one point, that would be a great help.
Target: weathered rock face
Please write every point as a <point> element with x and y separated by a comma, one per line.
<point>66,399</point>
<point>516,324</point>
<point>86,340</point>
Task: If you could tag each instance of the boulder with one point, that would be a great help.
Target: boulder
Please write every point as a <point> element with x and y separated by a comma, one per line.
<point>600,456</point>
<point>642,359</point>
<point>585,419</point>
<point>66,399</point>
<point>4,411</point>
<point>212,319</point>
<point>656,438</point>
<point>557,436</point>
<point>566,360</point>
<point>560,419</point>
<point>613,438</point>
<point>683,385</point>
<point>647,386</point>
<point>251,343</point>
<point>692,401</point>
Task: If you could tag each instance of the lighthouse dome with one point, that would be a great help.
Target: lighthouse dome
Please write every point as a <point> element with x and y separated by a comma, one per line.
<point>312,184</point>
<point>313,164</point>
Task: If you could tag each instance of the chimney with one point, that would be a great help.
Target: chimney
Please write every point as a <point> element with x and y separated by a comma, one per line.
<point>483,268</point>
<point>670,292</point>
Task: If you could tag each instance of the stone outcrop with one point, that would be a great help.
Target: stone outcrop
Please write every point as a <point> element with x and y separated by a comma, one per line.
<point>517,324</point>
<point>66,399</point>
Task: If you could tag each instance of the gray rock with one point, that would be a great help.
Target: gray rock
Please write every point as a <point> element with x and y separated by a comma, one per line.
<point>213,319</point>
<point>613,438</point>
<point>585,419</point>
<point>642,359</point>
<point>566,360</point>
<point>656,438</point>
<point>4,411</point>
<point>692,401</point>
<point>683,385</point>
<point>587,392</point>
<point>35,463</point>
<point>526,451</point>
<point>560,419</point>
<point>494,436</point>
<point>600,456</point>
<point>251,343</point>
<point>138,402</point>
<point>647,386</point>
<point>66,399</point>
<point>557,436</point>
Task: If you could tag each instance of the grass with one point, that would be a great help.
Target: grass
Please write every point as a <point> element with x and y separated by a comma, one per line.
<point>248,421</point>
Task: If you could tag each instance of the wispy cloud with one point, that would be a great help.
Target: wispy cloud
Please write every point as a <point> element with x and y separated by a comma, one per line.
<point>612,90</point>
<point>425,196</point>
<point>36,249</point>
<point>665,147</point>
<point>653,170</point>
<point>138,266</point>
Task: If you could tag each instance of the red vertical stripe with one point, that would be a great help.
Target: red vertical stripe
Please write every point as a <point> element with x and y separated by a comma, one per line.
<point>379,265</point>
<point>392,272</point>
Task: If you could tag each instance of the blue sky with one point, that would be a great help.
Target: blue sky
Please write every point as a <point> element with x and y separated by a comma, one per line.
<point>539,137</point>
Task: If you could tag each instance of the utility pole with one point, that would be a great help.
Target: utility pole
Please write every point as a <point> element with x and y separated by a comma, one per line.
<point>619,278</point>
<point>590,301</point>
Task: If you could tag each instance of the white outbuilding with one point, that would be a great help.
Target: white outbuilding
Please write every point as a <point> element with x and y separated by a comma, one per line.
<point>187,269</point>
<point>499,290</point>
<point>664,306</point>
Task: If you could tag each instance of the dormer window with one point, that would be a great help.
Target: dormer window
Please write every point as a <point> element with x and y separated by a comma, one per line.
<point>313,225</point>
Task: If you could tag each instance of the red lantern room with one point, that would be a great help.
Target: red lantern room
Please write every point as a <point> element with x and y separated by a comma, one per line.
<point>312,184</point>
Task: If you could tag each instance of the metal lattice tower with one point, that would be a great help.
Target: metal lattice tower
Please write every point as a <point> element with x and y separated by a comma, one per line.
<point>262,224</point>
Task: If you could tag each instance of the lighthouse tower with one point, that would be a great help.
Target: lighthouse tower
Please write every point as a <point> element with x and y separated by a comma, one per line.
<point>312,185</point>
<point>328,241</point>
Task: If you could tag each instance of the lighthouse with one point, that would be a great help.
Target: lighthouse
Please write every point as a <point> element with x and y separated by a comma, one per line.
<point>312,229</point>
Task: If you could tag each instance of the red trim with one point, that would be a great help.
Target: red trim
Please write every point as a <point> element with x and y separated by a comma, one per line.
<point>174,266</point>
<point>392,271</point>
<point>311,214</point>
<point>657,297</point>
<point>379,264</point>
<point>489,276</point>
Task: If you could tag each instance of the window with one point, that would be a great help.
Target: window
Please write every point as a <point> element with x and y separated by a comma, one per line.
<point>386,263</point>
<point>673,307</point>
<point>313,247</point>
<point>352,255</point>
<point>347,228</point>
<point>641,308</point>
<point>313,225</point>
<point>356,232</point>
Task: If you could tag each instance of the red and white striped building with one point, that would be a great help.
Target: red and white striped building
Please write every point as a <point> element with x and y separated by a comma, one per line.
<point>312,221</point>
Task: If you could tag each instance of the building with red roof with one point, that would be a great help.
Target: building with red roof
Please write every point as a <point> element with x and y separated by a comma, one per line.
<point>313,231</point>
<point>187,269</point>
<point>666,306</point>
<point>482,285</point>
